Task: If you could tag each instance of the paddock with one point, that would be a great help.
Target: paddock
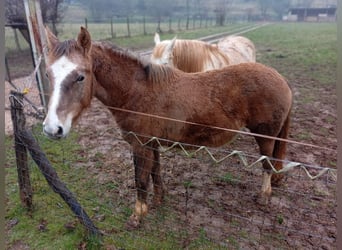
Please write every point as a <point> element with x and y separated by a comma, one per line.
<point>208,204</point>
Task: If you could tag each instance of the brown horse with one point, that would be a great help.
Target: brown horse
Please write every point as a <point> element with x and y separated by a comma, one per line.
<point>163,102</point>
<point>198,56</point>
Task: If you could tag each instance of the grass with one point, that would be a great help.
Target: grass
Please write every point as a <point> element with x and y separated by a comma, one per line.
<point>301,47</point>
<point>284,46</point>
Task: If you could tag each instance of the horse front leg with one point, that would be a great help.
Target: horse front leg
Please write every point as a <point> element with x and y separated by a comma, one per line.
<point>143,159</point>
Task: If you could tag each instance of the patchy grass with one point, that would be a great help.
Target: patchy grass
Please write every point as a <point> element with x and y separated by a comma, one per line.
<point>138,40</point>
<point>51,220</point>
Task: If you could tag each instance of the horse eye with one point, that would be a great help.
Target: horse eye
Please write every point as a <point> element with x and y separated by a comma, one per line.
<point>80,78</point>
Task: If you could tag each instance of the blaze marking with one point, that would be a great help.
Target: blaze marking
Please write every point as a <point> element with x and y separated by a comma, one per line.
<point>60,70</point>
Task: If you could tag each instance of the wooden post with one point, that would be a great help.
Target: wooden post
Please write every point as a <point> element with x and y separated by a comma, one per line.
<point>128,27</point>
<point>55,183</point>
<point>144,20</point>
<point>170,25</point>
<point>16,39</point>
<point>112,28</point>
<point>35,53</point>
<point>43,51</point>
<point>18,120</point>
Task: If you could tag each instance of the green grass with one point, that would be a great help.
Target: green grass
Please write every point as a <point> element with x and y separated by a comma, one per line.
<point>294,48</point>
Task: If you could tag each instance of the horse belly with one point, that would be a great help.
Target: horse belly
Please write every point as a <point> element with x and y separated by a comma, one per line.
<point>210,136</point>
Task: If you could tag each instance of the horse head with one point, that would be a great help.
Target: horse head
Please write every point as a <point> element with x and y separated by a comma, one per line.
<point>69,69</point>
<point>163,51</point>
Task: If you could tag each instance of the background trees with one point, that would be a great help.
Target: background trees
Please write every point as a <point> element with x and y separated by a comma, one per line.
<point>52,12</point>
<point>158,10</point>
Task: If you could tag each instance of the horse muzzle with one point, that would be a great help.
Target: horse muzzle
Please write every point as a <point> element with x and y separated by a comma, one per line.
<point>55,133</point>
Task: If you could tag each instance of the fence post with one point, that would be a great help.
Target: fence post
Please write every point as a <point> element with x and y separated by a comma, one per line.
<point>42,87</point>
<point>18,120</point>
<point>112,28</point>
<point>55,183</point>
<point>170,25</point>
<point>144,20</point>
<point>128,28</point>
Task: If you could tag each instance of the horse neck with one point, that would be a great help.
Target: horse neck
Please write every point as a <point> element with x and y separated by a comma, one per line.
<point>115,73</point>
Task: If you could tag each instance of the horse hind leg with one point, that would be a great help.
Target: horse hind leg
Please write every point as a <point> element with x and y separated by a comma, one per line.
<point>279,152</point>
<point>276,150</point>
<point>266,149</point>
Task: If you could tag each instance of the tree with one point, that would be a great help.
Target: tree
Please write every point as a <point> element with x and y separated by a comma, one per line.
<point>264,5</point>
<point>52,12</point>
<point>280,7</point>
<point>160,9</point>
<point>221,9</point>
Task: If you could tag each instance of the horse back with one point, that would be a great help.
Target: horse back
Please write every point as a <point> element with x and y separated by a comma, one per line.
<point>245,95</point>
<point>240,49</point>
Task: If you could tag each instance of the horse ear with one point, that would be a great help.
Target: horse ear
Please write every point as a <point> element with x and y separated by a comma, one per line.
<point>52,40</point>
<point>156,38</point>
<point>84,40</point>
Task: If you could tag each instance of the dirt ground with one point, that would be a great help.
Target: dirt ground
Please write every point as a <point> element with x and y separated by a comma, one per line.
<point>220,202</point>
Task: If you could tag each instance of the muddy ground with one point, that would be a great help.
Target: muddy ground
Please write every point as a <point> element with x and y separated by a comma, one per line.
<point>218,200</point>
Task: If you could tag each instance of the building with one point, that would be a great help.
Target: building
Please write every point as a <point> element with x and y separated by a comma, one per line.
<point>312,14</point>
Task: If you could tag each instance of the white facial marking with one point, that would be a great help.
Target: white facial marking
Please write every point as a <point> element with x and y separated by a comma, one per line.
<point>60,70</point>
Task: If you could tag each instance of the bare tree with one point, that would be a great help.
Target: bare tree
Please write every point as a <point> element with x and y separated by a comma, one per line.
<point>160,9</point>
<point>264,5</point>
<point>221,9</point>
<point>280,7</point>
<point>52,11</point>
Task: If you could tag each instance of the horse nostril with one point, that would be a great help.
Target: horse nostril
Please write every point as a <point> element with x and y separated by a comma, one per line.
<point>60,130</point>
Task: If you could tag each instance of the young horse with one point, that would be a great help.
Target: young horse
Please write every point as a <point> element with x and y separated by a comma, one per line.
<point>197,56</point>
<point>159,101</point>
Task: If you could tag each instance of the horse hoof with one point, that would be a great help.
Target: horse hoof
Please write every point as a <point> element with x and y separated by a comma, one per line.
<point>133,222</point>
<point>276,179</point>
<point>263,199</point>
<point>157,202</point>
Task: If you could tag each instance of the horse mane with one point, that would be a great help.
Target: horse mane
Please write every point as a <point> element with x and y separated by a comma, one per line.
<point>67,46</point>
<point>160,73</point>
<point>64,48</point>
<point>193,62</point>
<point>155,73</point>
<point>121,52</point>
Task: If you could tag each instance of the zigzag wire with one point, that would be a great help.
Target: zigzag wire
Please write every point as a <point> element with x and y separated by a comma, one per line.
<point>287,167</point>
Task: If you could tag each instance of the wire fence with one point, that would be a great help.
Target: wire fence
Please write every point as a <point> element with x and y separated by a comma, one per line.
<point>211,197</point>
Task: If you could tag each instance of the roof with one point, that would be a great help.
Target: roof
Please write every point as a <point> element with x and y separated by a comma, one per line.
<point>331,11</point>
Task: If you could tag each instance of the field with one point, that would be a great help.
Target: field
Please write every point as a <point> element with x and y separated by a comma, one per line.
<point>209,205</point>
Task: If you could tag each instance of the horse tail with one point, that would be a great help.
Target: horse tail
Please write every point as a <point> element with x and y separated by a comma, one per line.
<point>279,150</point>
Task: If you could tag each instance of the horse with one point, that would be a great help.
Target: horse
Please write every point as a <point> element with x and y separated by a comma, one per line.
<point>160,101</point>
<point>198,56</point>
